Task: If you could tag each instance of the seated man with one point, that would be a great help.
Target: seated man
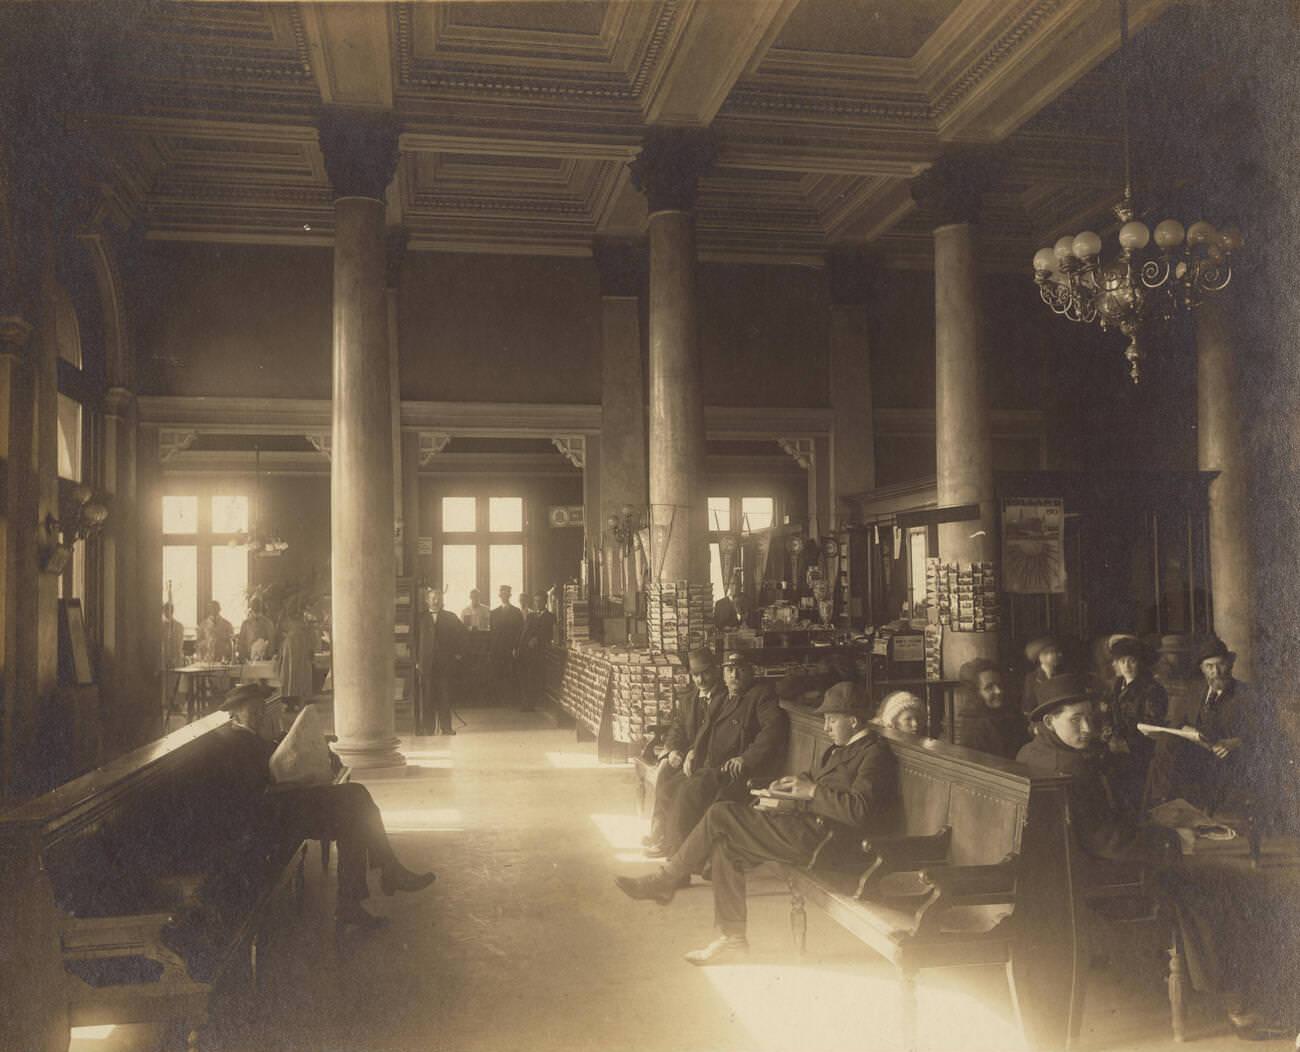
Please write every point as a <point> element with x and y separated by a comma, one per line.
<point>743,736</point>
<point>1069,743</point>
<point>848,795</point>
<point>342,813</point>
<point>1236,728</point>
<point>692,704</point>
<point>985,719</point>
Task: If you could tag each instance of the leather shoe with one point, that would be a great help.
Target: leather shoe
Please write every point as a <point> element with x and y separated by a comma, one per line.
<point>725,949</point>
<point>398,878</point>
<point>657,887</point>
<point>355,914</point>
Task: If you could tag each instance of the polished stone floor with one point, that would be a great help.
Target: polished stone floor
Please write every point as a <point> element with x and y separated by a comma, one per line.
<point>525,943</point>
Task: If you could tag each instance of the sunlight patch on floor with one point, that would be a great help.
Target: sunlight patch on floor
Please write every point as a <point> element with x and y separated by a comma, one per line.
<point>569,760</point>
<point>622,832</point>
<point>804,1006</point>
<point>423,819</point>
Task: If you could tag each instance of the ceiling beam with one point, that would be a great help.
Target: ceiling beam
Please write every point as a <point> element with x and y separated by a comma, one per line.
<point>714,45</point>
<point>351,55</point>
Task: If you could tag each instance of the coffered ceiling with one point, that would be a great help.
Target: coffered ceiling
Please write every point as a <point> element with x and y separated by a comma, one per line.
<point>519,118</point>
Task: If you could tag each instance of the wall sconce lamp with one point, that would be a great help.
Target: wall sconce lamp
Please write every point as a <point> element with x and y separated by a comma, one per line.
<point>84,520</point>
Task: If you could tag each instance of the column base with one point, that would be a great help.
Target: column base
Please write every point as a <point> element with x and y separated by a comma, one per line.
<point>372,758</point>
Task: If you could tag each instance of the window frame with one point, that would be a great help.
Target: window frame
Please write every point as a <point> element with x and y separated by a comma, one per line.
<point>204,539</point>
<point>482,538</point>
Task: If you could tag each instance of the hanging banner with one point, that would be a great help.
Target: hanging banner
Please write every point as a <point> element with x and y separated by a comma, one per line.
<point>728,549</point>
<point>1033,545</point>
<point>662,517</point>
<point>762,547</point>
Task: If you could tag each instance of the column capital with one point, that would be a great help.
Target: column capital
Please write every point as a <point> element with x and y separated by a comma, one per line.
<point>360,148</point>
<point>853,276</point>
<point>14,334</point>
<point>669,166</point>
<point>951,189</point>
<point>118,402</point>
<point>621,263</point>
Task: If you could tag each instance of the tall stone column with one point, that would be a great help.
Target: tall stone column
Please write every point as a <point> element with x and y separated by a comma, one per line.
<point>130,710</point>
<point>950,193</point>
<point>360,151</point>
<point>1221,447</point>
<point>667,171</point>
<point>852,413</point>
<point>624,472</point>
<point>395,251</point>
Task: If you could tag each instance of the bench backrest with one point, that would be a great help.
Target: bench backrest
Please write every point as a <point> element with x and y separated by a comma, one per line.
<point>985,800</point>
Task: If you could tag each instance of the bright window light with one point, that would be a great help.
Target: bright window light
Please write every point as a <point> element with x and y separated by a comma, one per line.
<point>180,514</point>
<point>229,514</point>
<point>459,575</point>
<point>720,513</point>
<point>506,514</point>
<point>506,566</point>
<point>181,583</point>
<point>458,515</point>
<point>230,582</point>
<point>69,428</point>
<point>757,513</point>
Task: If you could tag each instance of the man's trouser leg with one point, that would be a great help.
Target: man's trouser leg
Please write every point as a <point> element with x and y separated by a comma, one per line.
<point>347,815</point>
<point>442,694</point>
<point>667,782</point>
<point>691,800</point>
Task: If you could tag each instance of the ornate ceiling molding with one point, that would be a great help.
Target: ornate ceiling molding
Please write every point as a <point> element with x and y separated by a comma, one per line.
<point>802,450</point>
<point>573,448</point>
<point>171,442</point>
<point>431,444</point>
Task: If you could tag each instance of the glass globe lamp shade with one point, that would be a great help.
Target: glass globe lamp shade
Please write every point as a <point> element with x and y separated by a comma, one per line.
<point>1201,233</point>
<point>1230,239</point>
<point>1044,261</point>
<point>1064,247</point>
<point>1087,245</point>
<point>1134,236</point>
<point>1169,234</point>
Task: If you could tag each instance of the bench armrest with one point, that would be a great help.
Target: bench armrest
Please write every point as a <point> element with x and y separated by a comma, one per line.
<point>991,885</point>
<point>900,853</point>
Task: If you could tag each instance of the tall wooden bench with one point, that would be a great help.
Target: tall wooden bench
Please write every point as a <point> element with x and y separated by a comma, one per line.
<point>92,872</point>
<point>978,870</point>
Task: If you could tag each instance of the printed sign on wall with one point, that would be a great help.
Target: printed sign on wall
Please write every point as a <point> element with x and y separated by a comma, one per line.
<point>1033,545</point>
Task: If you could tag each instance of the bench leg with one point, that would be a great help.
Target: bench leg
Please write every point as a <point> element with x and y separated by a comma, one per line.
<point>325,854</point>
<point>798,922</point>
<point>1177,986</point>
<point>907,993</point>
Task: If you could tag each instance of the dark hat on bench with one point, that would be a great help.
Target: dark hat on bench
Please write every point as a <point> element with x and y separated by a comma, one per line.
<point>843,698</point>
<point>1057,692</point>
<point>701,659</point>
<point>244,694</point>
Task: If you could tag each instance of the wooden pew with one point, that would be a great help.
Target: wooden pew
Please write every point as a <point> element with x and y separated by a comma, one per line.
<point>91,873</point>
<point>977,871</point>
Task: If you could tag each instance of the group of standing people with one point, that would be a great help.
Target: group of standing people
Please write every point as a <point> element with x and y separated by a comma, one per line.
<point>451,649</point>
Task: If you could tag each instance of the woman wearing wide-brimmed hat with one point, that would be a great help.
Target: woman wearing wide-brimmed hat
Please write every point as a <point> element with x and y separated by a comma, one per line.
<point>1135,697</point>
<point>1046,660</point>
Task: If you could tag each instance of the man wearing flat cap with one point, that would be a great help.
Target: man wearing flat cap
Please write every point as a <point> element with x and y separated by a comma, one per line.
<point>849,793</point>
<point>691,705</point>
<point>742,737</point>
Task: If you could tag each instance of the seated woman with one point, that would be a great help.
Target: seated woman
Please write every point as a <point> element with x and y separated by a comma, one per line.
<point>1134,698</point>
<point>901,711</point>
<point>1046,659</point>
<point>985,721</point>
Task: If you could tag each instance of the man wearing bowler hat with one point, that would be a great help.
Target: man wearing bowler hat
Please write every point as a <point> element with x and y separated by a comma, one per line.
<point>849,794</point>
<point>1237,735</point>
<point>742,737</point>
<point>691,706</point>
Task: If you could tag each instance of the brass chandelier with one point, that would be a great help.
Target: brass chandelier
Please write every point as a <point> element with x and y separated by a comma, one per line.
<point>1137,287</point>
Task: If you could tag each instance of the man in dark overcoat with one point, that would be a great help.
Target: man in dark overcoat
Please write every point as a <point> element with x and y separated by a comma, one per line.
<point>743,737</point>
<point>442,643</point>
<point>850,793</point>
<point>691,706</point>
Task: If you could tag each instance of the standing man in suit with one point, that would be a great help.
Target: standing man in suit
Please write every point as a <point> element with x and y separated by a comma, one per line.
<point>849,794</point>
<point>691,705</point>
<point>503,647</point>
<point>743,736</point>
<point>534,641</point>
<point>442,644</point>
